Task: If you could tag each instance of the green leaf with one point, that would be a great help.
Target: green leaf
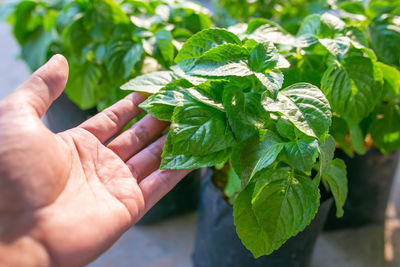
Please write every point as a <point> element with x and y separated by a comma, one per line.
<point>337,47</point>
<point>174,161</point>
<point>272,81</point>
<point>391,76</point>
<point>254,155</point>
<point>165,47</point>
<point>357,139</point>
<point>198,22</point>
<point>326,152</point>
<point>199,129</point>
<point>310,25</point>
<point>302,153</point>
<point>192,79</point>
<point>272,33</point>
<point>385,39</point>
<point>282,207</point>
<point>244,111</point>
<point>203,41</point>
<point>325,25</point>
<point>161,105</point>
<point>331,24</point>
<point>209,93</point>
<point>305,106</point>
<point>336,178</point>
<point>352,7</point>
<point>385,129</point>
<point>35,48</point>
<point>233,186</point>
<point>111,10</point>
<point>149,83</point>
<point>353,88</point>
<point>83,85</point>
<point>141,4</point>
<point>286,129</point>
<point>255,23</point>
<point>121,57</point>
<point>76,37</point>
<point>263,58</point>
<point>223,60</point>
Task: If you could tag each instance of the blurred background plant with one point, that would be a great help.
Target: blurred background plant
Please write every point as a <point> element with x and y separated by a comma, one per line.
<point>106,42</point>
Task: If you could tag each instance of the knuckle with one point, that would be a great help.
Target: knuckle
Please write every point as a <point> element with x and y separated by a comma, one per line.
<point>112,116</point>
<point>135,172</point>
<point>155,151</point>
<point>140,133</point>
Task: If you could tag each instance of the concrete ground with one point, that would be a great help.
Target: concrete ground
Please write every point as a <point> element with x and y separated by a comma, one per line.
<point>170,243</point>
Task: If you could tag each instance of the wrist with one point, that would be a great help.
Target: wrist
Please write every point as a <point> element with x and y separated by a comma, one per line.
<point>23,251</point>
<point>20,249</point>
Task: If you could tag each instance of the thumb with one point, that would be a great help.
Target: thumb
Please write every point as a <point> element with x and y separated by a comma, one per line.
<point>44,85</point>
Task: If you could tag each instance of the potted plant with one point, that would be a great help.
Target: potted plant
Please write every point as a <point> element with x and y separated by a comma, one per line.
<point>228,110</point>
<point>107,43</point>
<point>351,52</point>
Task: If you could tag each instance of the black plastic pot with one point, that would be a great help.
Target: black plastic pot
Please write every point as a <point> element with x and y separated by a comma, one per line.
<point>370,178</point>
<point>217,244</point>
<point>63,115</point>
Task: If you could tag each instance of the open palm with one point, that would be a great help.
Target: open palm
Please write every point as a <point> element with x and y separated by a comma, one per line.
<point>65,198</point>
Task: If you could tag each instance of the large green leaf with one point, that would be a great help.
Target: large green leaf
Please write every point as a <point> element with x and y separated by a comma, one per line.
<point>269,32</point>
<point>76,37</point>
<point>385,39</point>
<point>164,47</point>
<point>223,60</point>
<point>310,25</point>
<point>278,207</point>
<point>199,129</point>
<point>174,161</point>
<point>201,42</point>
<point>254,155</point>
<point>324,26</point>
<point>83,85</point>
<point>121,57</point>
<point>150,83</point>
<point>336,178</point>
<point>305,106</point>
<point>263,58</point>
<point>391,77</point>
<point>353,88</point>
<point>35,48</point>
<point>161,105</point>
<point>337,47</point>
<point>244,111</point>
<point>302,153</point>
<point>110,10</point>
<point>272,81</point>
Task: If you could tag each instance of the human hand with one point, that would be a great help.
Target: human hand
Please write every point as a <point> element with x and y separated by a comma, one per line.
<point>65,198</point>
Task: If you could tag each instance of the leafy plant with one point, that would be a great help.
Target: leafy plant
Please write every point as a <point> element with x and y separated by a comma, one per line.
<point>287,13</point>
<point>106,42</point>
<point>353,57</point>
<point>225,101</point>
